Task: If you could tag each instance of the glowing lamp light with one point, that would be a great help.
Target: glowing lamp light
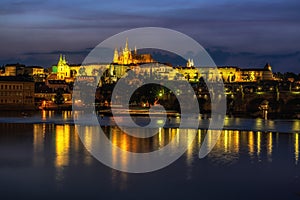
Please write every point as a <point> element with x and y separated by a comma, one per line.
<point>160,121</point>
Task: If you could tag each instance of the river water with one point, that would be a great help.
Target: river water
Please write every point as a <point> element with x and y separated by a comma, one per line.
<point>42,157</point>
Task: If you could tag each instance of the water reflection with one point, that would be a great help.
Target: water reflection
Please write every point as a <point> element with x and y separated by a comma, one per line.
<point>39,131</point>
<point>58,144</point>
<point>251,143</point>
<point>62,147</point>
<point>270,146</point>
<point>58,147</point>
<point>258,145</point>
<point>62,144</point>
<point>50,114</point>
<point>296,146</point>
<point>228,149</point>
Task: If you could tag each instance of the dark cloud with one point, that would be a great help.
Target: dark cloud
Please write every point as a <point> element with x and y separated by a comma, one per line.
<point>265,30</point>
<point>279,62</point>
<point>83,52</point>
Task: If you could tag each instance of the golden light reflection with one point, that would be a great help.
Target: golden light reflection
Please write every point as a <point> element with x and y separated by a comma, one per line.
<point>114,140</point>
<point>87,138</point>
<point>258,140</point>
<point>226,141</point>
<point>160,137</point>
<point>62,148</point>
<point>251,143</point>
<point>209,139</point>
<point>76,145</point>
<point>174,136</point>
<point>199,136</point>
<point>62,145</point>
<point>124,145</point>
<point>38,143</point>
<point>177,135</point>
<point>236,141</point>
<point>123,141</point>
<point>270,146</point>
<point>296,146</point>
<point>50,113</point>
<point>189,152</point>
<point>65,115</point>
<point>44,114</point>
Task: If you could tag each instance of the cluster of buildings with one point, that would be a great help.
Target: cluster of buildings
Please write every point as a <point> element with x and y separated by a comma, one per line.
<point>30,86</point>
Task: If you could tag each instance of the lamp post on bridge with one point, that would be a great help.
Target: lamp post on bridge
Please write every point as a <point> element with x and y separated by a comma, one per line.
<point>264,107</point>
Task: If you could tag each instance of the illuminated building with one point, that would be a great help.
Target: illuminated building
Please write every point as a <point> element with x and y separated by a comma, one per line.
<point>191,74</point>
<point>62,70</point>
<point>254,74</point>
<point>126,57</point>
<point>67,72</point>
<point>229,74</point>
<point>34,70</point>
<point>16,92</point>
<point>190,63</point>
<point>13,70</point>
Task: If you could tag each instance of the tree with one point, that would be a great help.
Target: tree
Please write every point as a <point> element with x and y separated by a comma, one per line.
<point>59,98</point>
<point>82,71</point>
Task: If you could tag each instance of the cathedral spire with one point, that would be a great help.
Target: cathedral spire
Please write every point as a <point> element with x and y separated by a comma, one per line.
<point>126,45</point>
<point>116,56</point>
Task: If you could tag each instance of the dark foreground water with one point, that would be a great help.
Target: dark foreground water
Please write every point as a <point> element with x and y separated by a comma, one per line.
<point>48,161</point>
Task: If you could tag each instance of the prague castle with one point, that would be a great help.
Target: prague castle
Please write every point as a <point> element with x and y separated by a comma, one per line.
<point>126,57</point>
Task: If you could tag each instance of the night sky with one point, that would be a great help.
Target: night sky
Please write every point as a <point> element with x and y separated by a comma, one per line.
<point>245,33</point>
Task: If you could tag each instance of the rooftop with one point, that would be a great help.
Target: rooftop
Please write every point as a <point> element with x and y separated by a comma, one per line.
<point>15,79</point>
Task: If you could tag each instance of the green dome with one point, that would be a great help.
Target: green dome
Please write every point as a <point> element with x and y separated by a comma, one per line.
<point>54,69</point>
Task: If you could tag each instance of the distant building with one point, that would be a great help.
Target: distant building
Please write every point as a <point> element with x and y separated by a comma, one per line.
<point>190,63</point>
<point>229,74</point>
<point>256,74</point>
<point>16,92</point>
<point>62,70</point>
<point>34,70</point>
<point>125,56</point>
<point>37,72</point>
<point>13,70</point>
<point>125,60</point>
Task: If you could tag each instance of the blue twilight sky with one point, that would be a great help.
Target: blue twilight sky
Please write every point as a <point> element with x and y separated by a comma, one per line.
<point>245,33</point>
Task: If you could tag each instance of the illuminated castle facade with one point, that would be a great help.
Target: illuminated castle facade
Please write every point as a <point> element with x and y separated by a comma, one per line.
<point>126,57</point>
